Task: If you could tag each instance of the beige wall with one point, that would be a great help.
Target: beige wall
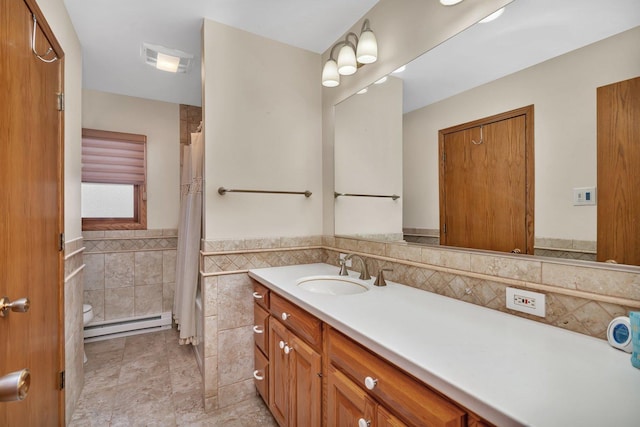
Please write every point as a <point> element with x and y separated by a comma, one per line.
<point>160,122</point>
<point>262,131</point>
<point>368,160</point>
<point>404,29</point>
<point>563,91</point>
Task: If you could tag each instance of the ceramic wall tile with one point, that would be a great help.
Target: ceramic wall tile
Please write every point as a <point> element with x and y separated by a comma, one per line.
<point>148,268</point>
<point>508,267</point>
<point>210,336</point>
<point>211,376</point>
<point>147,300</point>
<point>599,281</point>
<point>210,298</point>
<point>169,266</point>
<point>118,303</point>
<point>148,233</point>
<point>235,355</point>
<point>404,252</point>
<point>234,393</point>
<point>168,291</point>
<point>96,299</point>
<point>118,270</point>
<point>94,272</point>
<point>263,243</point>
<point>235,305</point>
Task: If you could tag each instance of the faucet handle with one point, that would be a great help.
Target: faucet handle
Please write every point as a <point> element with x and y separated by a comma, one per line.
<point>380,279</point>
<point>343,267</point>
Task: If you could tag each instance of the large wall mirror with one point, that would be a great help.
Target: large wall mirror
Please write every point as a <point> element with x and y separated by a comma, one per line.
<point>548,54</point>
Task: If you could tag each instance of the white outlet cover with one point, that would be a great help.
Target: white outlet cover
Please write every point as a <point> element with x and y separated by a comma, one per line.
<point>540,305</point>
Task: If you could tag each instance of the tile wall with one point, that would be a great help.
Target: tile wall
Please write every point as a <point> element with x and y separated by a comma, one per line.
<point>73,335</point>
<point>581,297</point>
<point>129,273</point>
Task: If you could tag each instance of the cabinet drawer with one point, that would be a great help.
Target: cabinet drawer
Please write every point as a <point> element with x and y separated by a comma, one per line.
<point>410,399</point>
<point>261,295</point>
<point>261,374</point>
<point>261,328</point>
<point>302,323</point>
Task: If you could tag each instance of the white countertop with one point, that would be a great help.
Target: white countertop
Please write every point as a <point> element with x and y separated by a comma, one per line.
<point>509,370</point>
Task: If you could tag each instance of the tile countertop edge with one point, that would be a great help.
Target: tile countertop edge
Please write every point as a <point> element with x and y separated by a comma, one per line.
<point>504,413</point>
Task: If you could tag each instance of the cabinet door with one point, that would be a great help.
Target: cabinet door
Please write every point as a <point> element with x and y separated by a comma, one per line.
<point>386,419</point>
<point>306,384</point>
<point>261,328</point>
<point>279,395</point>
<point>261,374</point>
<point>346,402</point>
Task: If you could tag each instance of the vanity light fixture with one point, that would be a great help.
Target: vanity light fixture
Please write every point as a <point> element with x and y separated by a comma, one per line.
<point>166,59</point>
<point>354,51</point>
<point>495,15</point>
<point>450,2</point>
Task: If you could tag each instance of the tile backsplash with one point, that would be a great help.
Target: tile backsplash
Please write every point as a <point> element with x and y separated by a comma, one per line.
<point>129,273</point>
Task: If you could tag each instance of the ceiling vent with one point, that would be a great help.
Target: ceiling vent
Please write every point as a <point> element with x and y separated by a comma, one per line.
<point>166,59</point>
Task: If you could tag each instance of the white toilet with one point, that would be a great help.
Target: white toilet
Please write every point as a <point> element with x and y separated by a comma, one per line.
<point>87,316</point>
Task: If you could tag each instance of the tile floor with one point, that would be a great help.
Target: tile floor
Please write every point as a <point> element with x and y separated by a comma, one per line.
<point>150,380</point>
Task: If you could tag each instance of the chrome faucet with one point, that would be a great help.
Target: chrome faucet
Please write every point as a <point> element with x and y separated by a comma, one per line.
<point>364,271</point>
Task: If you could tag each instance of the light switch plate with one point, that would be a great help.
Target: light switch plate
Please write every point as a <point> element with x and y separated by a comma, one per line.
<point>584,196</point>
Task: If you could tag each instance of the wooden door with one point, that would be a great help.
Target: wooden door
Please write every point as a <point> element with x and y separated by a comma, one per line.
<point>618,233</point>
<point>486,183</point>
<point>346,402</point>
<point>306,385</point>
<point>279,394</point>
<point>31,220</point>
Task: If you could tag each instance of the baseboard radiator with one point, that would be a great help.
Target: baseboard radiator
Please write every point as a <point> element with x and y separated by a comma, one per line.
<point>98,331</point>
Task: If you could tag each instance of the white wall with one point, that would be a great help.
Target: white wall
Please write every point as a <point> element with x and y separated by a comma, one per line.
<point>160,122</point>
<point>368,160</point>
<point>563,91</point>
<point>262,127</point>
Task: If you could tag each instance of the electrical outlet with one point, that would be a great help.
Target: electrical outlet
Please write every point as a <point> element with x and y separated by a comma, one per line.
<point>349,261</point>
<point>526,301</point>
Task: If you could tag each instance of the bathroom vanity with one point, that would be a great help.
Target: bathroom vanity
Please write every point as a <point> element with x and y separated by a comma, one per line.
<point>396,356</point>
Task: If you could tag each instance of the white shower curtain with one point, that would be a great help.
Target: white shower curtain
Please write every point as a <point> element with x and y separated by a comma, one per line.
<point>189,235</point>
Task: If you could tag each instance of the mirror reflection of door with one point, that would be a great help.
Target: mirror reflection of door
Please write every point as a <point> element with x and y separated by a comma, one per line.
<point>618,177</point>
<point>486,183</point>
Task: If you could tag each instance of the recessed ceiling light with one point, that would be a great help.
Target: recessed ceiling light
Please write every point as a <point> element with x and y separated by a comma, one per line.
<point>382,80</point>
<point>450,2</point>
<point>399,69</point>
<point>495,15</point>
<point>166,59</point>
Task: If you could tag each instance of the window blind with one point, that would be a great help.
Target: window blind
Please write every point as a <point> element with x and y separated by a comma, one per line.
<point>113,158</point>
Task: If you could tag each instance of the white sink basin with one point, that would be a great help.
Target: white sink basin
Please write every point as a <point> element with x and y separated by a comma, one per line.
<point>333,285</point>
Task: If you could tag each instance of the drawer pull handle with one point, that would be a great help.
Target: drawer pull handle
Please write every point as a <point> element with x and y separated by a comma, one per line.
<point>287,349</point>
<point>285,316</point>
<point>363,423</point>
<point>258,375</point>
<point>258,330</point>
<point>281,344</point>
<point>370,383</point>
<point>257,295</point>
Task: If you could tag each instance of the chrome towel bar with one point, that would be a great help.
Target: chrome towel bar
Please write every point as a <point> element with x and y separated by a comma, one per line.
<point>222,191</point>
<point>393,196</point>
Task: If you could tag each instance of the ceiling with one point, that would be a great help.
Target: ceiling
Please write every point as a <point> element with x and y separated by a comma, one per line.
<point>111,33</point>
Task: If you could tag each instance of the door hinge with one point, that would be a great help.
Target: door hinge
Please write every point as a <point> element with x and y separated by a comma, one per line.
<point>444,229</point>
<point>61,102</point>
<point>61,242</point>
<point>61,378</point>
<point>444,157</point>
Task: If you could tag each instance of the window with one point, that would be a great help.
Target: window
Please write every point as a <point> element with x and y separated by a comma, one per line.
<point>113,181</point>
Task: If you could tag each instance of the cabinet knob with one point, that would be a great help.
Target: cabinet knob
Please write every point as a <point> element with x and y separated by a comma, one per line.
<point>258,330</point>
<point>258,375</point>
<point>257,295</point>
<point>281,344</point>
<point>287,349</point>
<point>370,383</point>
<point>363,423</point>
<point>285,316</point>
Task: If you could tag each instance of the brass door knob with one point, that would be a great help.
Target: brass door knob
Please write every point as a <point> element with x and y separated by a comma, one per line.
<point>20,305</point>
<point>15,386</point>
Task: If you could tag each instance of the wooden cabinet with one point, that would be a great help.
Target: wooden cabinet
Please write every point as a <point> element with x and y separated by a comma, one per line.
<point>261,339</point>
<point>295,372</point>
<point>396,391</point>
<point>360,388</point>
